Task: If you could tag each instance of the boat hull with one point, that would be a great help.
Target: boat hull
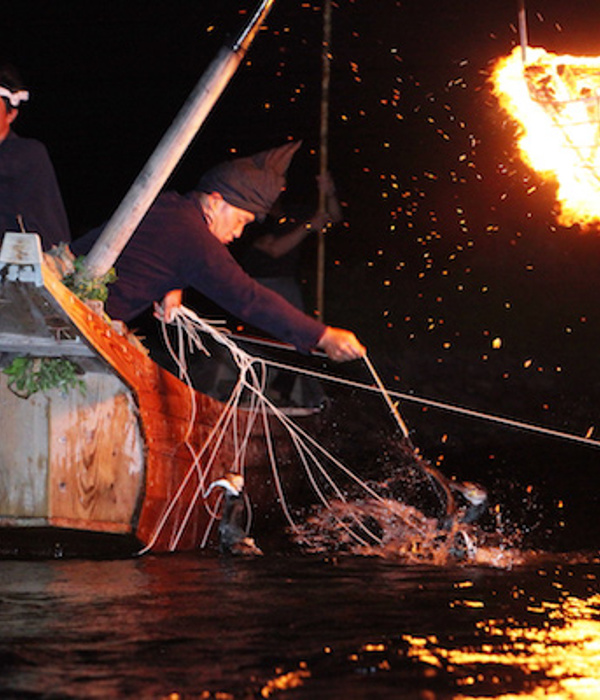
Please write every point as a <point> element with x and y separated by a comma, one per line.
<point>130,460</point>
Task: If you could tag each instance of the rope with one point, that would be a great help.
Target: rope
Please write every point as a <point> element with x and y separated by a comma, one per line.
<point>386,395</point>
<point>252,381</point>
<point>210,448</point>
<point>443,406</point>
<point>437,479</point>
<point>314,458</point>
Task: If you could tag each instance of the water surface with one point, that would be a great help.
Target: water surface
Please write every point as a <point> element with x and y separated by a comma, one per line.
<point>298,626</point>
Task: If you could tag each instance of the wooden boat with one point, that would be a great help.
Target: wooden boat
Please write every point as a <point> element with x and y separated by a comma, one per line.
<point>125,466</point>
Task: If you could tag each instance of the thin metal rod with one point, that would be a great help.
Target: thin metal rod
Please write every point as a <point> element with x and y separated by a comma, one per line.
<point>171,148</point>
<point>523,30</point>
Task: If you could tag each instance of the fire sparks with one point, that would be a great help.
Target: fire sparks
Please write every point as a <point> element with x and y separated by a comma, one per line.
<point>556,102</point>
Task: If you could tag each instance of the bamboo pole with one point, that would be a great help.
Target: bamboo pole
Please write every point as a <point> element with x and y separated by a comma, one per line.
<point>324,153</point>
<point>171,148</point>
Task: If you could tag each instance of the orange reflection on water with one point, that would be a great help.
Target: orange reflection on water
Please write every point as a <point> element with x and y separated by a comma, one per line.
<point>284,681</point>
<point>558,658</point>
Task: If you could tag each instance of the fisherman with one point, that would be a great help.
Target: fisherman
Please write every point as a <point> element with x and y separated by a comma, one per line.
<point>182,242</point>
<point>271,253</point>
<point>30,197</point>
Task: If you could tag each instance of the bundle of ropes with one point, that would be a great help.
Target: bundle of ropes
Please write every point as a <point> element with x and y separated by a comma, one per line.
<point>319,464</point>
<point>322,468</point>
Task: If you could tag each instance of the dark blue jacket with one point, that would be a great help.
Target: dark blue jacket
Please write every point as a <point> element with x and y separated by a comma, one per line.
<point>172,248</point>
<point>28,187</point>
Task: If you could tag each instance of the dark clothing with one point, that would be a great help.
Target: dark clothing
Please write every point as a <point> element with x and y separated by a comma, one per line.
<point>277,273</point>
<point>288,287</point>
<point>28,187</point>
<point>173,248</point>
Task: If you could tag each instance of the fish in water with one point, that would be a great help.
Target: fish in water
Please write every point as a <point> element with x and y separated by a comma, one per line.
<point>233,538</point>
<point>465,501</point>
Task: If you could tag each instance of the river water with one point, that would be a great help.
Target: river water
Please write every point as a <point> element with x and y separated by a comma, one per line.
<point>299,626</point>
<point>405,611</point>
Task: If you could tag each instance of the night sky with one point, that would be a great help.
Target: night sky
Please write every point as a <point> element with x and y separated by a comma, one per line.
<point>451,267</point>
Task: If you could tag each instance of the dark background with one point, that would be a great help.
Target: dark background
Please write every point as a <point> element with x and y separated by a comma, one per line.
<point>450,241</point>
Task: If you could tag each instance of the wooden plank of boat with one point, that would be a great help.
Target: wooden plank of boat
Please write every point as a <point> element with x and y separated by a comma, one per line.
<point>112,460</point>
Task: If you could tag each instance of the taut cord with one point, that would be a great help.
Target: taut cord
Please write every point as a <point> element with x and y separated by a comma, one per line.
<point>386,395</point>
<point>434,475</point>
<point>452,408</point>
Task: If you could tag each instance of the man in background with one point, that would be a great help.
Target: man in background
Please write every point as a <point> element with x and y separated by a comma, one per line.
<point>30,198</point>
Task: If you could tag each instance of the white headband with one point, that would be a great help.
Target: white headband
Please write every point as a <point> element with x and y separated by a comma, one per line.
<point>15,98</point>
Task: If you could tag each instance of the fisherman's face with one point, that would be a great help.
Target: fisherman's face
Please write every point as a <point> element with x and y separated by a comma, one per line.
<point>226,222</point>
<point>6,119</point>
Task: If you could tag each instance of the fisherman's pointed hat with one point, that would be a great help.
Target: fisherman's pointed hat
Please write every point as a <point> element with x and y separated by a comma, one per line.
<point>251,183</point>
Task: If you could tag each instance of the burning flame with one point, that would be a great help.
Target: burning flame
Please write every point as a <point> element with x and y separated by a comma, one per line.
<point>556,102</point>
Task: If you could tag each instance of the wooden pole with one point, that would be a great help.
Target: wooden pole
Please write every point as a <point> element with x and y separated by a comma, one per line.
<point>169,151</point>
<point>324,154</point>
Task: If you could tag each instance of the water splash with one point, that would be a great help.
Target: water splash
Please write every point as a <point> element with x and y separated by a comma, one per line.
<point>391,529</point>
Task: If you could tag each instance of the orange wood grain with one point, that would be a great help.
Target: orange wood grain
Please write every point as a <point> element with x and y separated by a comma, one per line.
<point>165,408</point>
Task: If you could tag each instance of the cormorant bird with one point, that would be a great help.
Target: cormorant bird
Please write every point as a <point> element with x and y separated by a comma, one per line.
<point>233,538</point>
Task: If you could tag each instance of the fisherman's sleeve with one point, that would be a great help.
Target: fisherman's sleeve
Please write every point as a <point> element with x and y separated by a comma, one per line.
<point>217,275</point>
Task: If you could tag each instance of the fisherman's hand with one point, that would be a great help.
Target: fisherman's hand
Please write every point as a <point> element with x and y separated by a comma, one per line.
<point>341,345</point>
<point>165,310</point>
<point>326,184</point>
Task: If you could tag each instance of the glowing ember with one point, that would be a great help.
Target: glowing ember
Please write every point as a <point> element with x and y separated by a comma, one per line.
<point>556,102</point>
